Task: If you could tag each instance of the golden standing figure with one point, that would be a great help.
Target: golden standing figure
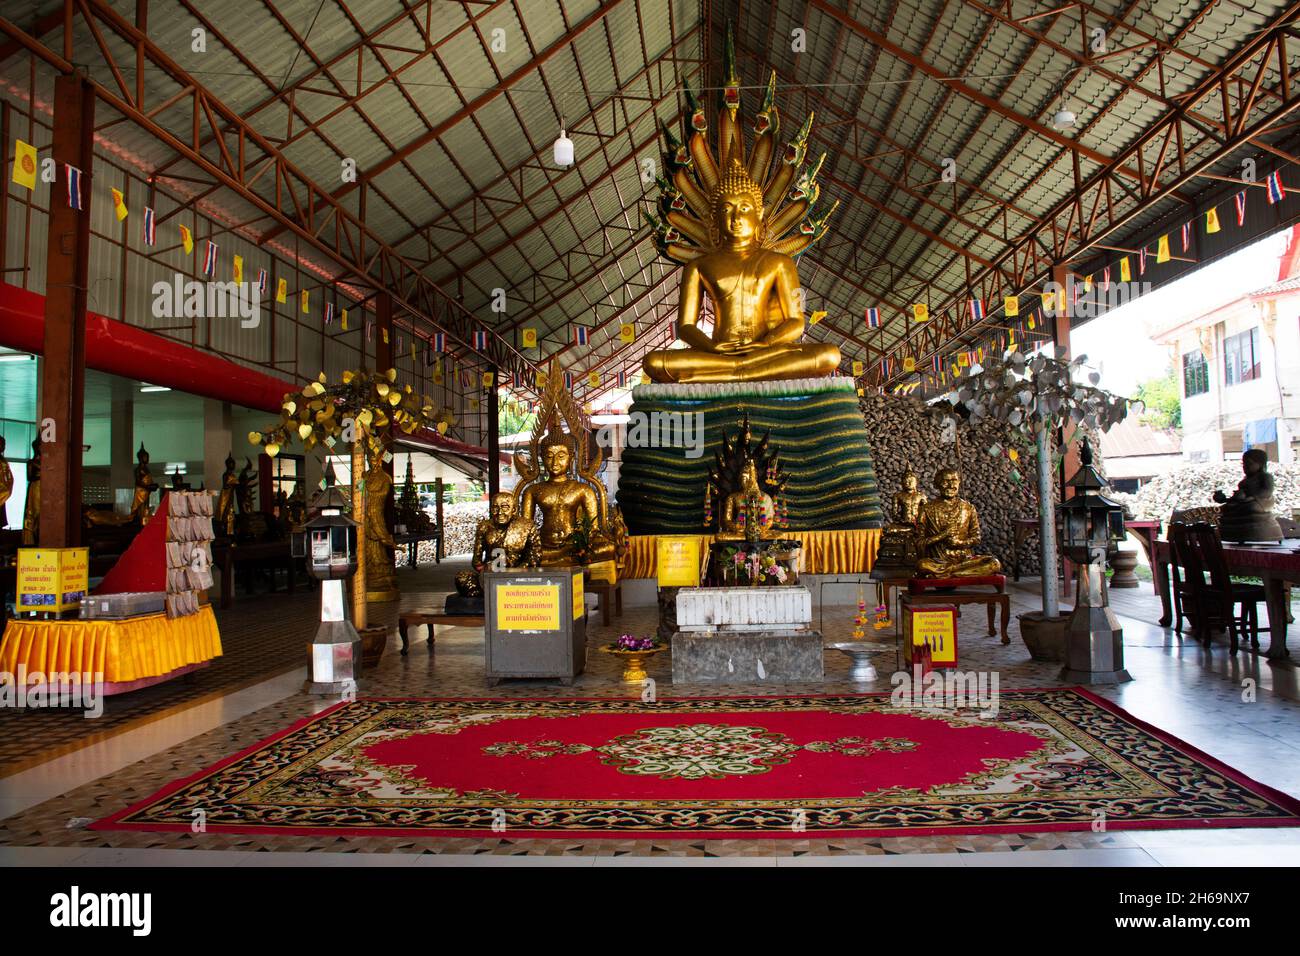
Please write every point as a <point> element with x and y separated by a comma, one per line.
<point>381,579</point>
<point>734,222</point>
<point>503,529</point>
<point>6,482</point>
<point>949,531</point>
<point>32,506</point>
<point>225,522</point>
<point>145,486</point>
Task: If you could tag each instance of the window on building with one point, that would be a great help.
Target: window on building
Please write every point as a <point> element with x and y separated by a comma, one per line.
<point>1196,374</point>
<point>1241,357</point>
<point>285,472</point>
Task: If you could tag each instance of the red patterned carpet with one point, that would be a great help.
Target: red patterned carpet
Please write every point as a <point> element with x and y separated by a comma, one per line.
<point>693,767</point>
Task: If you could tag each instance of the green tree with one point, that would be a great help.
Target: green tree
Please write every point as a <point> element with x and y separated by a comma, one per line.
<point>1163,400</point>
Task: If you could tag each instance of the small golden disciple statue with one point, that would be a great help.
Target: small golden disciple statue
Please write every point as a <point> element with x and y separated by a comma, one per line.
<point>381,579</point>
<point>949,531</point>
<point>748,503</point>
<point>567,505</point>
<point>515,536</point>
<point>734,221</point>
<point>6,482</point>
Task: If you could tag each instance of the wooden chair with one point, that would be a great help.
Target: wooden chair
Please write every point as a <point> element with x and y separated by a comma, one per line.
<point>1219,596</point>
<point>1184,571</point>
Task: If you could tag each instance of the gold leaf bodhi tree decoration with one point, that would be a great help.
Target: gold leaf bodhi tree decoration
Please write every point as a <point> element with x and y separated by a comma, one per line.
<point>356,412</point>
<point>734,221</point>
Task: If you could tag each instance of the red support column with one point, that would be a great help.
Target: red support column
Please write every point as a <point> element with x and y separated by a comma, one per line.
<point>63,375</point>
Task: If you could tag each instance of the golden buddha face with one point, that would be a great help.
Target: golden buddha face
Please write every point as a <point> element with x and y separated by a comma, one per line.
<point>909,483</point>
<point>557,460</point>
<point>502,508</point>
<point>948,482</point>
<point>737,218</point>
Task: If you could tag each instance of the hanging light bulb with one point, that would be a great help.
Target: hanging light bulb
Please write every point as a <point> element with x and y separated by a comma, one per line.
<point>1063,119</point>
<point>563,149</point>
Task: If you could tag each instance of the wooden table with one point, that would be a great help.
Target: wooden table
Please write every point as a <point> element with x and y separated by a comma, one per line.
<point>919,592</point>
<point>227,556</point>
<point>603,591</point>
<point>1275,565</point>
<point>412,544</point>
<point>1025,528</point>
<point>432,618</point>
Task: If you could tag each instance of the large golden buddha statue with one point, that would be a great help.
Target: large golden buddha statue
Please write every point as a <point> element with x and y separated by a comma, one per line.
<point>734,222</point>
<point>949,530</point>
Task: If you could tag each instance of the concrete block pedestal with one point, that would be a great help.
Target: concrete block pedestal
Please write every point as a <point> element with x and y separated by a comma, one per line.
<point>745,635</point>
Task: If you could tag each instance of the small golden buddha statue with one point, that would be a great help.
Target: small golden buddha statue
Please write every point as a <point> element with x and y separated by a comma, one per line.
<point>567,505</point>
<point>32,505</point>
<point>899,540</point>
<point>381,577</point>
<point>6,482</point>
<point>748,503</point>
<point>225,517</point>
<point>140,512</point>
<point>514,535</point>
<point>908,503</point>
<point>949,530</point>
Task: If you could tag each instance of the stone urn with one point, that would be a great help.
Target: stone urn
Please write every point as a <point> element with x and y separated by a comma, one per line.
<point>1124,564</point>
<point>1044,636</point>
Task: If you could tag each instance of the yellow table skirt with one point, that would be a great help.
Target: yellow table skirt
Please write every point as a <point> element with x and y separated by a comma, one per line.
<point>122,651</point>
<point>824,552</point>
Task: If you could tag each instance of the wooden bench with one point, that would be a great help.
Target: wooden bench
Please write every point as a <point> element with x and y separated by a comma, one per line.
<point>432,619</point>
<point>603,591</point>
<point>950,591</point>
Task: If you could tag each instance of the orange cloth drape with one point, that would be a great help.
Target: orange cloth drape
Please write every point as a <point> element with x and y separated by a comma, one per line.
<point>122,651</point>
<point>824,552</point>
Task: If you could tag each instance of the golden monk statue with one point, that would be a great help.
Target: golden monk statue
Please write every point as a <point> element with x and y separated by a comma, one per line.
<point>6,482</point>
<point>32,506</point>
<point>734,221</point>
<point>381,579</point>
<point>567,505</point>
<point>736,508</point>
<point>949,530</point>
<point>516,537</point>
<point>145,486</point>
<point>225,518</point>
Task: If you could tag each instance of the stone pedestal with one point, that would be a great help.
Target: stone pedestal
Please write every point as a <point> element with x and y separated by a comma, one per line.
<point>745,635</point>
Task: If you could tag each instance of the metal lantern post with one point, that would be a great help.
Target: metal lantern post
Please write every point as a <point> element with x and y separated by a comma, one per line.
<point>1092,524</point>
<point>329,544</point>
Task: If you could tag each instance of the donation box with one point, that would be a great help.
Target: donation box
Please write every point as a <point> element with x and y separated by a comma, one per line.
<point>51,579</point>
<point>535,623</point>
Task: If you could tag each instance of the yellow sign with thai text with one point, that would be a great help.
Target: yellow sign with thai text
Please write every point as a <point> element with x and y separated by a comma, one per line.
<point>528,607</point>
<point>579,598</point>
<point>51,579</point>
<point>677,561</point>
<point>937,627</point>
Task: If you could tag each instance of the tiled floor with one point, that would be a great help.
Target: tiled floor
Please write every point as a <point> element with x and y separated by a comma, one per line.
<point>1245,711</point>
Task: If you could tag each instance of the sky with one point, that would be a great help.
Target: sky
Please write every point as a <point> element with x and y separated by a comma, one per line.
<point>1117,344</point>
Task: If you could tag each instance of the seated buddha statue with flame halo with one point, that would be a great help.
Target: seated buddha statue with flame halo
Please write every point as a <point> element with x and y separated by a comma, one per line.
<point>566,504</point>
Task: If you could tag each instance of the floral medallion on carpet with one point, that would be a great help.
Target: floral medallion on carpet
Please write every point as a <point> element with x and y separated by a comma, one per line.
<point>712,767</point>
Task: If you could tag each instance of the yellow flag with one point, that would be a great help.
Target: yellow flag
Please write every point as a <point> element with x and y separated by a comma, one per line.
<point>627,332</point>
<point>238,264</point>
<point>1087,283</point>
<point>1125,270</point>
<point>473,404</point>
<point>593,379</point>
<point>857,368</point>
<point>282,290</point>
<point>1030,323</point>
<point>303,295</point>
<point>909,364</point>
<point>816,317</point>
<point>1162,250</point>
<point>343,317</point>
<point>24,164</point>
<point>541,378</point>
<point>528,338</point>
<point>119,204</point>
<point>1011,304</point>
<point>487,379</point>
<point>921,312</point>
<point>1049,302</point>
<point>1212,221</point>
<point>383,331</point>
<point>187,239</point>
<point>413,350</point>
<point>586,409</point>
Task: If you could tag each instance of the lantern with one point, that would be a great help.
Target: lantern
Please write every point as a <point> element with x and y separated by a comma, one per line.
<point>328,544</point>
<point>1091,524</point>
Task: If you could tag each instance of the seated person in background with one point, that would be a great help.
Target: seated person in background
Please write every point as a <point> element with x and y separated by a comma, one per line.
<point>1248,514</point>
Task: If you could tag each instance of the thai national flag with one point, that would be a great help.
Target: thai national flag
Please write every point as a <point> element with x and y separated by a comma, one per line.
<point>210,259</point>
<point>480,339</point>
<point>1105,278</point>
<point>1187,235</point>
<point>936,363</point>
<point>873,318</point>
<point>261,282</point>
<point>1240,202</point>
<point>568,381</point>
<point>464,378</point>
<point>1142,262</point>
<point>1275,190</point>
<point>329,313</point>
<point>150,226</point>
<point>74,186</point>
<point>977,310</point>
<point>440,341</point>
<point>580,333</point>
<point>622,379</point>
